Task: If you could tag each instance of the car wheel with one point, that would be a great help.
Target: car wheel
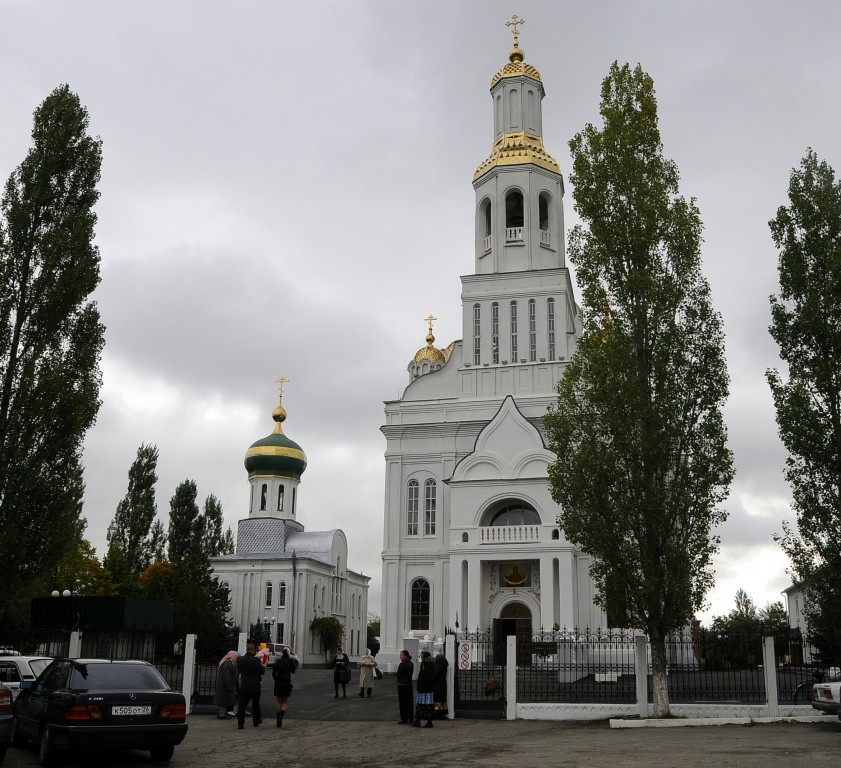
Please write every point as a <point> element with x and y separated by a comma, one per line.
<point>46,751</point>
<point>2,754</point>
<point>162,754</point>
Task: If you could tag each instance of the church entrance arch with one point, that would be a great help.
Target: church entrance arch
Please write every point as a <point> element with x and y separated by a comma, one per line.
<point>514,619</point>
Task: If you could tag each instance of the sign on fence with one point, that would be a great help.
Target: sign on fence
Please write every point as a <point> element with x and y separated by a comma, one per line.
<point>464,655</point>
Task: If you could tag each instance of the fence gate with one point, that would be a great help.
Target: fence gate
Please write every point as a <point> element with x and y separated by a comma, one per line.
<point>479,672</point>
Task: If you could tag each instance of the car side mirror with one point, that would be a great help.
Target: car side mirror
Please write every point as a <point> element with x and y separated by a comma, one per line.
<point>25,685</point>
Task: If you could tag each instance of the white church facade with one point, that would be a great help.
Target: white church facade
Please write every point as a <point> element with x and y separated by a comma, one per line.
<point>281,576</point>
<point>470,538</point>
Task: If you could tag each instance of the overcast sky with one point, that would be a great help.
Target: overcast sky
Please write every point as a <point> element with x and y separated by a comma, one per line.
<point>286,190</point>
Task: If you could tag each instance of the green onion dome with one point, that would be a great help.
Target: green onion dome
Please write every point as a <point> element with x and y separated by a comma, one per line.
<point>276,454</point>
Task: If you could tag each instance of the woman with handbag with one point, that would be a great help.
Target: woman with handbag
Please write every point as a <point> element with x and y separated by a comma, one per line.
<point>367,663</point>
<point>341,672</point>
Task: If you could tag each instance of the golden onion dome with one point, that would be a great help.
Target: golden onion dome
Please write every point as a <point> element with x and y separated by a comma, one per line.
<point>429,352</point>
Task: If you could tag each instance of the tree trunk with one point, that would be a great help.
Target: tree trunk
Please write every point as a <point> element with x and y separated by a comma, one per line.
<point>660,683</point>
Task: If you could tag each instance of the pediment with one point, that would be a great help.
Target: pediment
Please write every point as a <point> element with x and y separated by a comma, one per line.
<point>509,447</point>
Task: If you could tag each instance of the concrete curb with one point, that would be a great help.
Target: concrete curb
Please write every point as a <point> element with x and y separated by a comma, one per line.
<point>685,722</point>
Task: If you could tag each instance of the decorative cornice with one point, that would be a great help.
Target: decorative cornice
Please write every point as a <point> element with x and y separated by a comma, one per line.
<point>518,149</point>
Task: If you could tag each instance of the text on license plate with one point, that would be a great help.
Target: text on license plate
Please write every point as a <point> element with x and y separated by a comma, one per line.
<point>131,710</point>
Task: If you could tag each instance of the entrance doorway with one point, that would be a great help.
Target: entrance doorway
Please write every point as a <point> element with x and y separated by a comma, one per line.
<point>514,619</point>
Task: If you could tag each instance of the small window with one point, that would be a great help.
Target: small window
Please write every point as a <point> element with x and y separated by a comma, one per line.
<point>495,332</point>
<point>488,222</point>
<point>269,593</point>
<point>514,213</point>
<point>550,326</point>
<point>280,499</point>
<point>543,211</point>
<point>264,495</point>
<point>464,537</point>
<point>477,330</point>
<point>430,492</point>
<point>294,499</point>
<point>420,604</point>
<point>281,595</point>
<point>513,331</point>
<point>532,331</point>
<point>556,534</point>
<point>412,505</point>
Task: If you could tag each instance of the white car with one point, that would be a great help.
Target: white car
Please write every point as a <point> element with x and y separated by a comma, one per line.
<point>276,650</point>
<point>827,697</point>
<point>14,669</point>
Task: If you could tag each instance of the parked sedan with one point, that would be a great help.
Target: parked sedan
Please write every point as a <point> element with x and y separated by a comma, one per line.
<point>5,720</point>
<point>14,669</point>
<point>827,697</point>
<point>100,704</point>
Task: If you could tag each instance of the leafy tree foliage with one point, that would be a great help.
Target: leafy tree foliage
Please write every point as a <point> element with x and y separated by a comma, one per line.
<point>81,572</point>
<point>806,324</point>
<point>642,461</point>
<point>130,545</point>
<point>330,631</point>
<point>50,343</point>
<point>215,541</point>
<point>157,542</point>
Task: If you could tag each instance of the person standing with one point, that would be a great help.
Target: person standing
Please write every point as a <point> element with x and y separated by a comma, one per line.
<point>405,670</point>
<point>251,673</point>
<point>426,678</point>
<point>225,695</point>
<point>439,686</point>
<point>367,663</point>
<point>178,652</point>
<point>282,673</point>
<point>341,672</point>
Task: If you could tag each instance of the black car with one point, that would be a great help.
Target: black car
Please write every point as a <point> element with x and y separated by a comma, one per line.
<point>100,704</point>
<point>5,720</point>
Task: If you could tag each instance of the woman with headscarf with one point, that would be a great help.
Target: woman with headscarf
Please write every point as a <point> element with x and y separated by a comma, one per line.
<point>225,695</point>
<point>424,704</point>
<point>341,672</point>
<point>439,686</point>
<point>366,672</point>
<point>282,673</point>
<point>405,670</point>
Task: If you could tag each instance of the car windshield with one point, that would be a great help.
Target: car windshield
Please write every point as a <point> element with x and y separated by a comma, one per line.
<point>112,677</point>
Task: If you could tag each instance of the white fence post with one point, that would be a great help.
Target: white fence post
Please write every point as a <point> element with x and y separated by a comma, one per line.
<point>450,653</point>
<point>769,668</point>
<point>641,673</point>
<point>189,660</point>
<point>242,642</point>
<point>74,650</point>
<point>511,677</point>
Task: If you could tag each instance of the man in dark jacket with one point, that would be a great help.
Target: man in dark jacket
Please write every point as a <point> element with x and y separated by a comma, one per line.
<point>250,679</point>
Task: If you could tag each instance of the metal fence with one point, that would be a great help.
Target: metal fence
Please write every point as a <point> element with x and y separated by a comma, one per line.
<point>479,671</point>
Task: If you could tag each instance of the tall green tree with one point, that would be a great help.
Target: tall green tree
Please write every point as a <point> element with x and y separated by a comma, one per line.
<point>806,324</point>
<point>129,535</point>
<point>186,525</point>
<point>50,342</point>
<point>216,542</point>
<point>642,462</point>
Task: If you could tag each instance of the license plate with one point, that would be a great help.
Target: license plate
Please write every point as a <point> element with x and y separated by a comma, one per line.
<point>131,710</point>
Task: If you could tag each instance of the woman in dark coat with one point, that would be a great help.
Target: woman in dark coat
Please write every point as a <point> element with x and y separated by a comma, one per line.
<point>405,670</point>
<point>439,686</point>
<point>341,672</point>
<point>426,678</point>
<point>225,695</point>
<point>282,673</point>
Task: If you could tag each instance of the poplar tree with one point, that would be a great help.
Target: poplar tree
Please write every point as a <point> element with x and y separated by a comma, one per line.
<point>806,324</point>
<point>642,462</point>
<point>50,343</point>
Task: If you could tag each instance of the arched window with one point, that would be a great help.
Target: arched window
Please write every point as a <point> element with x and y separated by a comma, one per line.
<point>516,513</point>
<point>280,499</point>
<point>477,332</point>
<point>556,534</point>
<point>281,595</point>
<point>543,217</point>
<point>514,108</point>
<point>412,504</point>
<point>420,604</point>
<point>550,326</point>
<point>264,495</point>
<point>268,594</point>
<point>532,330</point>
<point>315,598</point>
<point>514,216</point>
<point>464,537</point>
<point>513,331</point>
<point>429,508</point>
<point>485,224</point>
<point>294,499</point>
<point>495,332</point>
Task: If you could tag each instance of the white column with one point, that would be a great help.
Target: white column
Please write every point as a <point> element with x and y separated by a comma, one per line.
<point>455,594</point>
<point>74,651</point>
<point>547,591</point>
<point>189,669</point>
<point>451,653</point>
<point>511,678</point>
<point>566,574</point>
<point>474,594</point>
<point>641,673</point>
<point>769,666</point>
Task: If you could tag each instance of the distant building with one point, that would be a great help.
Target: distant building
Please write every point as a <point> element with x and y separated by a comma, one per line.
<point>281,576</point>
<point>470,536</point>
<point>796,597</point>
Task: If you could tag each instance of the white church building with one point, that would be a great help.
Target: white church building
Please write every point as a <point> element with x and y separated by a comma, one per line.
<point>281,576</point>
<point>470,538</point>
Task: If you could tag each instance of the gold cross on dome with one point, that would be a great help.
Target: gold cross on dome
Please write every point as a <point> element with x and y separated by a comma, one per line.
<point>515,22</point>
<point>281,381</point>
<point>429,320</point>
